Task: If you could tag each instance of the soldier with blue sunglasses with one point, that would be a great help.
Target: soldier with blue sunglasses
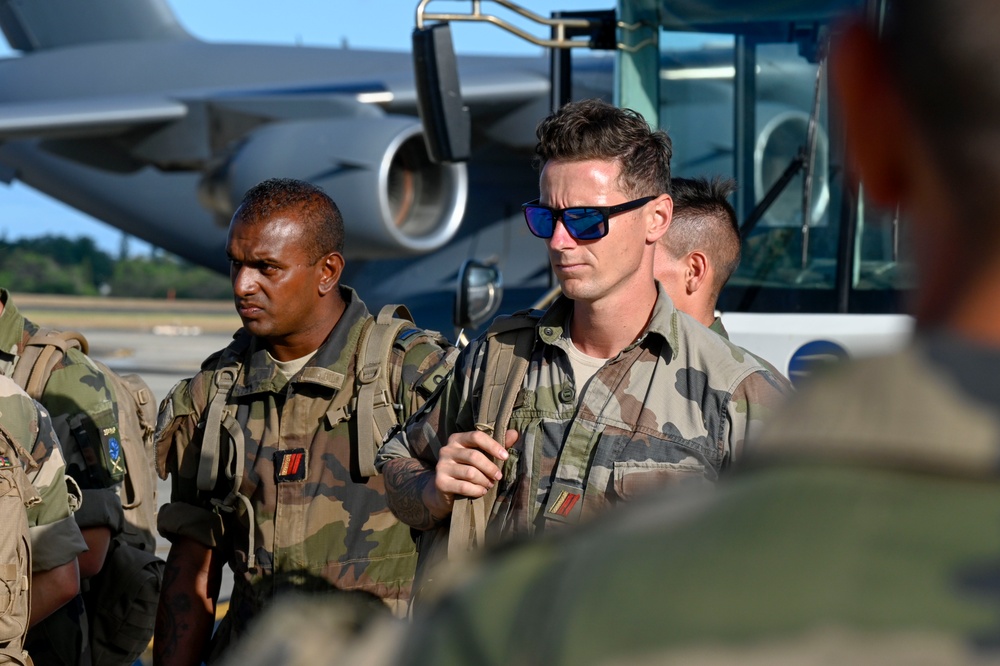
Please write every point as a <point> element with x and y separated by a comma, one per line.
<point>622,392</point>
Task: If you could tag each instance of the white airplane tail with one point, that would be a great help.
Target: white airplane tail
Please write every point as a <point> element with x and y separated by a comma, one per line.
<point>36,25</point>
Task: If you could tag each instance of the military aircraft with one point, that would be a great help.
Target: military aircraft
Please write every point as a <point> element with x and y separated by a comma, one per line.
<point>137,123</point>
<point>113,108</point>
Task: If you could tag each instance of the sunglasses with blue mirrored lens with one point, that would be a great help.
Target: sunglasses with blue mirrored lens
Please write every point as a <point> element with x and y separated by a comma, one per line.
<point>581,222</point>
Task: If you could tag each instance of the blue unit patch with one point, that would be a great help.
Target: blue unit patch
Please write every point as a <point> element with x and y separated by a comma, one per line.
<point>114,449</point>
<point>406,333</point>
<point>810,356</point>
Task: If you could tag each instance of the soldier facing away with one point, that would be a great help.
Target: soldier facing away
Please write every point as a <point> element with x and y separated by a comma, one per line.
<point>83,408</point>
<point>265,446</point>
<point>621,392</point>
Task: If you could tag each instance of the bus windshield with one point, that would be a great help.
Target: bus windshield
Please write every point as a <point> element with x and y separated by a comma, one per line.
<point>745,105</point>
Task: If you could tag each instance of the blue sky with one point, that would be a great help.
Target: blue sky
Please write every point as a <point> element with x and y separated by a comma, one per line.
<point>383,24</point>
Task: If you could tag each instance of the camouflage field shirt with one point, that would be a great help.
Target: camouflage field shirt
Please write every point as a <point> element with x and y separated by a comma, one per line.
<point>315,516</point>
<point>717,327</point>
<point>55,537</point>
<point>82,405</point>
<point>675,405</point>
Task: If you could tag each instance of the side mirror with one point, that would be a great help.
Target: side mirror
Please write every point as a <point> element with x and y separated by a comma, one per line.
<point>480,290</point>
<point>446,120</point>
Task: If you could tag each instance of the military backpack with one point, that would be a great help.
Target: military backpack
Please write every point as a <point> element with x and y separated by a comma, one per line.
<point>509,343</point>
<point>370,398</point>
<point>16,495</point>
<point>122,598</point>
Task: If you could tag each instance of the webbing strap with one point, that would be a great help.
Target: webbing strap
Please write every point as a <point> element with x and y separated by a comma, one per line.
<point>377,413</point>
<point>211,445</point>
<point>220,417</point>
<point>19,451</point>
<point>41,353</point>
<point>507,357</point>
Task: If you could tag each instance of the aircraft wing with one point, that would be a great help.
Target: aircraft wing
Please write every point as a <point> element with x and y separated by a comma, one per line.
<point>85,117</point>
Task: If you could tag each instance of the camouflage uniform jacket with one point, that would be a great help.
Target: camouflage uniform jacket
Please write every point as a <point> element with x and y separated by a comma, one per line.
<point>863,532</point>
<point>676,404</point>
<point>322,521</point>
<point>55,537</point>
<point>84,414</point>
<point>717,327</point>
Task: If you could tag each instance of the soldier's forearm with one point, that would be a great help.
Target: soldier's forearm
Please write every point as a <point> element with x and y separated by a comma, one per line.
<point>52,589</point>
<point>186,612</point>
<point>405,480</point>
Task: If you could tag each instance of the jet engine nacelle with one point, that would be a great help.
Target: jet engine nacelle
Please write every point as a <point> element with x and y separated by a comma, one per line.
<point>394,200</point>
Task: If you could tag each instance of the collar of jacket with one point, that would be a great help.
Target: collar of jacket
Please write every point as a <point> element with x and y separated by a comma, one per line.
<point>663,323</point>
<point>717,327</point>
<point>328,367</point>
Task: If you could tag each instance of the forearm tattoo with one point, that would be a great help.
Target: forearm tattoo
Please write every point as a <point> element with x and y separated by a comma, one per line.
<point>405,479</point>
<point>171,614</point>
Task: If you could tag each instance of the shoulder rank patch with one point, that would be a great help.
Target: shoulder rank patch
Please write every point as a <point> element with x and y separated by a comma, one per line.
<point>290,465</point>
<point>564,503</point>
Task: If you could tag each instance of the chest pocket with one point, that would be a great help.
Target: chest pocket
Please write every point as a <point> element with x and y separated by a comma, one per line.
<point>632,479</point>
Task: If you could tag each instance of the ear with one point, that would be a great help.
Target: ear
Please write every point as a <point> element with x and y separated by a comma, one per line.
<point>696,269</point>
<point>330,268</point>
<point>658,220</point>
<point>877,123</point>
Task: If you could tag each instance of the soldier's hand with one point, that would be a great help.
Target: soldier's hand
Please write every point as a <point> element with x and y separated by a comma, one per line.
<point>465,468</point>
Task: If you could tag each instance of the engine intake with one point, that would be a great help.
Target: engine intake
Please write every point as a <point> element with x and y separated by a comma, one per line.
<point>394,200</point>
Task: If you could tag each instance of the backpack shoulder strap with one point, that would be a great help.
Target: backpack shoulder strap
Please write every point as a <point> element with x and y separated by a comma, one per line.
<point>218,417</point>
<point>41,354</point>
<point>509,342</point>
<point>376,407</point>
<point>226,370</point>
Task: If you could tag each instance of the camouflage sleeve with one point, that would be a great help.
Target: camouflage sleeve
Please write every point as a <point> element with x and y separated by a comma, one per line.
<point>446,411</point>
<point>422,366</point>
<point>85,416</point>
<point>178,454</point>
<point>55,537</point>
<point>751,405</point>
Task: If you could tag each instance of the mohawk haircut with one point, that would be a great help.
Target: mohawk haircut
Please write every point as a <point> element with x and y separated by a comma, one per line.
<point>705,220</point>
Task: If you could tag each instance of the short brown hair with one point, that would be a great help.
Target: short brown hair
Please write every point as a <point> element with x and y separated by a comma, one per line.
<point>323,221</point>
<point>595,130</point>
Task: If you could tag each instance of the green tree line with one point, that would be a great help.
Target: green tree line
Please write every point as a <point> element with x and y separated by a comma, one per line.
<point>58,265</point>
